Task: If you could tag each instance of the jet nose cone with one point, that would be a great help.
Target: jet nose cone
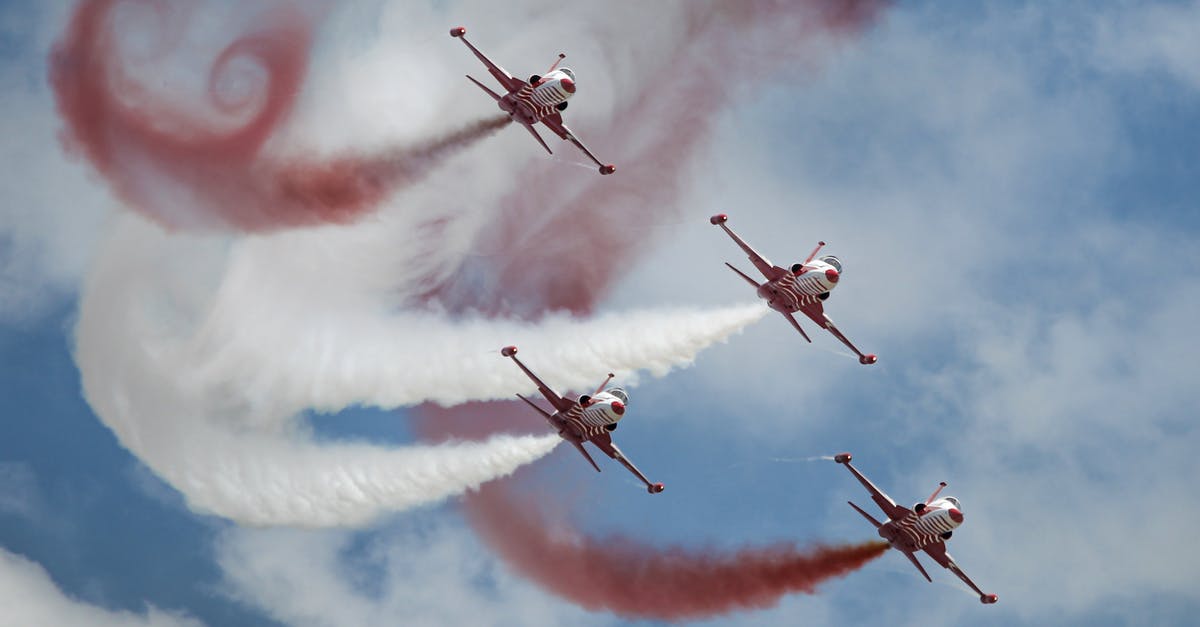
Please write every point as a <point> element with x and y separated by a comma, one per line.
<point>956,515</point>
<point>618,407</point>
<point>831,275</point>
<point>568,85</point>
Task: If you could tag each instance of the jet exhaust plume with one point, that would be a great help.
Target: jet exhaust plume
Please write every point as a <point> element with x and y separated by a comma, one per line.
<point>350,185</point>
<point>269,347</point>
<point>635,579</point>
<point>207,162</point>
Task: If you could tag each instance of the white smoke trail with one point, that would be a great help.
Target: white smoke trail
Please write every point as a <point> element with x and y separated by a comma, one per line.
<point>327,360</point>
<point>203,389</point>
<point>135,376</point>
<point>318,319</point>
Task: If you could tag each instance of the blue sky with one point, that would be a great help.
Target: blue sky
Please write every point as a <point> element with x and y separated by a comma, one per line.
<point>1011,186</point>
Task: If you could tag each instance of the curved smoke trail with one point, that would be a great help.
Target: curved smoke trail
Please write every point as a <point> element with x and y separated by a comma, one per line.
<point>204,162</point>
<point>138,308</point>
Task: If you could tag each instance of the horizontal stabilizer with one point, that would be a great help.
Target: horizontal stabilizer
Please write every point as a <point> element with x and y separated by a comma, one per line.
<point>583,451</point>
<point>865,515</point>
<point>538,138</point>
<point>913,559</point>
<point>491,93</point>
<point>541,411</point>
<point>743,275</point>
<point>796,323</point>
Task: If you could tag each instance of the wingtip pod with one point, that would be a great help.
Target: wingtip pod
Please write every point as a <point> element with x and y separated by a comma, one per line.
<point>458,31</point>
<point>720,218</point>
<point>656,488</point>
<point>608,169</point>
<point>843,458</point>
<point>508,351</point>
<point>868,359</point>
<point>988,599</point>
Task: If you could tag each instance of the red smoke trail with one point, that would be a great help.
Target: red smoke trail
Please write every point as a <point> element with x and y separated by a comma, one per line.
<point>583,239</point>
<point>355,183</point>
<point>639,580</point>
<point>200,161</point>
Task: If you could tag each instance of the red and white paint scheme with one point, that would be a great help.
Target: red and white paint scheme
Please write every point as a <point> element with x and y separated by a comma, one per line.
<point>538,100</point>
<point>803,287</point>
<point>590,418</point>
<point>925,527</point>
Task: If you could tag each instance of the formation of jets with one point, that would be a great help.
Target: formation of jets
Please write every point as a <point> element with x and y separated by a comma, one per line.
<point>803,287</point>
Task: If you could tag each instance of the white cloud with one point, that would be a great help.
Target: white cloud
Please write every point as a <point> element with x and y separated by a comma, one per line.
<point>1153,39</point>
<point>31,599</point>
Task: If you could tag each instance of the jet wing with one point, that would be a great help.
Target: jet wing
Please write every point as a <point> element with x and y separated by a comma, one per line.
<point>604,442</point>
<point>885,502</point>
<point>764,266</point>
<point>938,552</point>
<point>507,80</point>
<point>560,404</point>
<point>554,122</point>
<point>816,312</point>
